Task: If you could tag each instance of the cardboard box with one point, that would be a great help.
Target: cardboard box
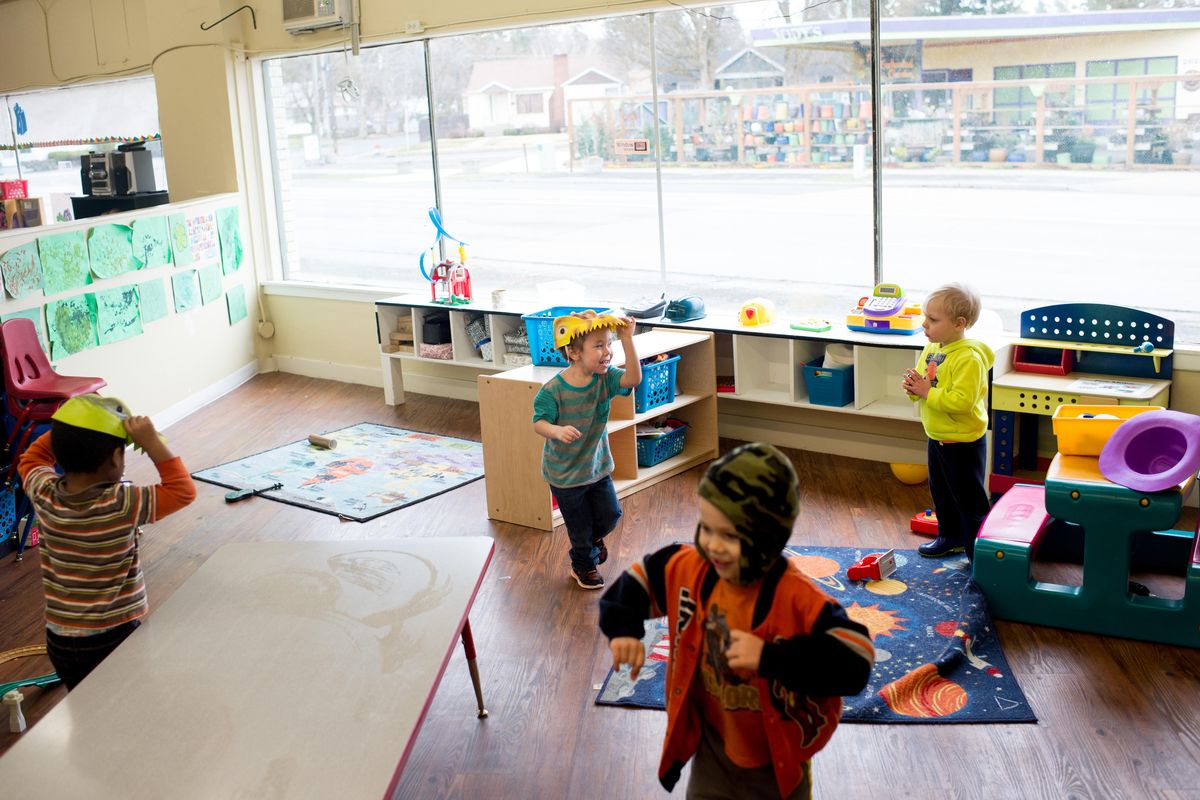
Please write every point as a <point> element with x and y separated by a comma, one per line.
<point>58,208</point>
<point>23,213</point>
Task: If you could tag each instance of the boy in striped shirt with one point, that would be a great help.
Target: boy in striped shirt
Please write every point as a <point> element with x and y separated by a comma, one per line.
<point>89,520</point>
<point>571,413</point>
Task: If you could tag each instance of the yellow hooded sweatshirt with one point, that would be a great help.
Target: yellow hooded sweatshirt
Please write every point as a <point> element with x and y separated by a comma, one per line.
<point>956,409</point>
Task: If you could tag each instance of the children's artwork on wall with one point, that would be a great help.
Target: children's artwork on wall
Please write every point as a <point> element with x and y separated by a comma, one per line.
<point>202,237</point>
<point>110,249</point>
<point>235,304</point>
<point>151,246</point>
<point>210,283</point>
<point>187,294</point>
<point>72,324</point>
<point>22,270</point>
<point>153,299</point>
<point>64,262</point>
<point>34,315</point>
<point>118,314</point>
<point>230,231</point>
<point>181,251</point>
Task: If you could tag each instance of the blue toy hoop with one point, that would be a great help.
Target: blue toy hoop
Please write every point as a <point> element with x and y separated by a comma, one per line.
<point>436,218</point>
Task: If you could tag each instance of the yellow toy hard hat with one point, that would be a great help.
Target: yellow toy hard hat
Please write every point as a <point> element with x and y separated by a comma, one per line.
<point>95,413</point>
<point>580,323</point>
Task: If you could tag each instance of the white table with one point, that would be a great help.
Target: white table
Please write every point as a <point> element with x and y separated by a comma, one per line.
<point>278,670</point>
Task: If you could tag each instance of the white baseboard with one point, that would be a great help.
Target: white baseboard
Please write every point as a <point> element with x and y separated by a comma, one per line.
<point>168,417</point>
<point>345,373</point>
<point>851,444</point>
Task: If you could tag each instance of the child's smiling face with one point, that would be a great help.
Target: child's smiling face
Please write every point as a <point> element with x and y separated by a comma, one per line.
<point>719,540</point>
<point>593,353</point>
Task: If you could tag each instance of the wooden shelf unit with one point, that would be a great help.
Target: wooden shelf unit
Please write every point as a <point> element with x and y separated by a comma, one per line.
<point>512,452</point>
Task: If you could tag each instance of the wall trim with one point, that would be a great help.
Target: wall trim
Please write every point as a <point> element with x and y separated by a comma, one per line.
<point>327,370</point>
<point>169,416</point>
<point>333,291</point>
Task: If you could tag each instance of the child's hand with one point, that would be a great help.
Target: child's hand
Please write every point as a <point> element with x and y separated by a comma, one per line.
<point>745,651</point>
<point>916,384</point>
<point>141,430</point>
<point>625,332</point>
<point>628,650</point>
<point>567,434</point>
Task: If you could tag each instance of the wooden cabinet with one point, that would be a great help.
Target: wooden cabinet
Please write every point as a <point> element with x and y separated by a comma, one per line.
<point>464,353</point>
<point>512,452</point>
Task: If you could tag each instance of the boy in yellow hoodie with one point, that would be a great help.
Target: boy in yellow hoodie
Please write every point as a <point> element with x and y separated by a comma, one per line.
<point>950,382</point>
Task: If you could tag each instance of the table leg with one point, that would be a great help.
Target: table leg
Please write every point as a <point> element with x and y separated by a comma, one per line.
<point>468,643</point>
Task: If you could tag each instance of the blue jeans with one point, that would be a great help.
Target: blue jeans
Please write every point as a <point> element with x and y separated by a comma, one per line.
<point>590,513</point>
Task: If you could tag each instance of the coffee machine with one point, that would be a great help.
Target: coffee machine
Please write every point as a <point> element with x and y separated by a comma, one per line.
<point>130,170</point>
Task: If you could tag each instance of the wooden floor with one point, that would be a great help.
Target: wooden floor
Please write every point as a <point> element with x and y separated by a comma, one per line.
<point>1119,719</point>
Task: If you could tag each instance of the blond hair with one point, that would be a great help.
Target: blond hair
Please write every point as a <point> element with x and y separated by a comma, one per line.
<point>958,300</point>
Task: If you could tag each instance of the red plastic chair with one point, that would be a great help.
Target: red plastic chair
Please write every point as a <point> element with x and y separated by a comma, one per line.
<point>33,391</point>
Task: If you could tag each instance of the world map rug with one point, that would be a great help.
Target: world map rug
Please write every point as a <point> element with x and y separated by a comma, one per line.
<point>372,470</point>
<point>937,655</point>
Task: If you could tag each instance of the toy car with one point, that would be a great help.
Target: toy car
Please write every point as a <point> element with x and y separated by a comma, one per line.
<point>874,567</point>
<point>925,522</point>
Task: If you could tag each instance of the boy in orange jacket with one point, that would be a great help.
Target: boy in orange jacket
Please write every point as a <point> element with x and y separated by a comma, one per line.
<point>760,657</point>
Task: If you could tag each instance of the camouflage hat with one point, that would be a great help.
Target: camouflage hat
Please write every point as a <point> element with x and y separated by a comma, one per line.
<point>755,486</point>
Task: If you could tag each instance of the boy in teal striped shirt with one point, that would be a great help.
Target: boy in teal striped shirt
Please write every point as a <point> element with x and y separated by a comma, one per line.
<point>571,413</point>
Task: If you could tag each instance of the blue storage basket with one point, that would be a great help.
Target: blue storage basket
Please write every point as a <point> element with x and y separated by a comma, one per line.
<point>653,449</point>
<point>540,327</point>
<point>657,386</point>
<point>829,386</point>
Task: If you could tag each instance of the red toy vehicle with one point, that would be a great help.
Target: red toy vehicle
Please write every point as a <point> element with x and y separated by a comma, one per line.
<point>874,567</point>
<point>925,522</point>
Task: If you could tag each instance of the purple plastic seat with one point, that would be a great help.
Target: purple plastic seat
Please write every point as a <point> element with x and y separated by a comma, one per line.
<point>1153,452</point>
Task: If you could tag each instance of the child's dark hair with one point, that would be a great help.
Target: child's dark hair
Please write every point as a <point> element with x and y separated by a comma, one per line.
<point>79,449</point>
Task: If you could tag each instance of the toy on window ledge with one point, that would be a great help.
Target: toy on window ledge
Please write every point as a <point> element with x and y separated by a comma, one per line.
<point>885,311</point>
<point>449,281</point>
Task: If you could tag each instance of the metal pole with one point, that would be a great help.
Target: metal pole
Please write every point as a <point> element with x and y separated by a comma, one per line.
<point>433,151</point>
<point>662,239</point>
<point>12,125</point>
<point>877,138</point>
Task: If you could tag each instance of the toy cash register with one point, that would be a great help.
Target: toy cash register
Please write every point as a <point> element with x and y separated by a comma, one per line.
<point>885,311</point>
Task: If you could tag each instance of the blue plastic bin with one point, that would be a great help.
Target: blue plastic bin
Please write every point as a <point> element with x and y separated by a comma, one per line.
<point>657,386</point>
<point>540,327</point>
<point>829,386</point>
<point>653,449</point>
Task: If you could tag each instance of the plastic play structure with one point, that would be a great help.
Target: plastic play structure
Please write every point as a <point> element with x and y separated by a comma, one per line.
<point>449,280</point>
<point>885,311</point>
<point>1122,502</point>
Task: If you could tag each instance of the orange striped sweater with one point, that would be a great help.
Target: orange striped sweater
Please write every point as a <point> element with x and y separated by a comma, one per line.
<point>91,569</point>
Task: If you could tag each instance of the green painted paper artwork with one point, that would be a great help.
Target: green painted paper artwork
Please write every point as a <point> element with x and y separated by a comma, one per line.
<point>187,294</point>
<point>72,324</point>
<point>22,270</point>
<point>210,283</point>
<point>118,314</point>
<point>230,231</point>
<point>111,250</point>
<point>64,261</point>
<point>34,314</point>
<point>151,247</point>
<point>177,233</point>
<point>235,303</point>
<point>153,296</point>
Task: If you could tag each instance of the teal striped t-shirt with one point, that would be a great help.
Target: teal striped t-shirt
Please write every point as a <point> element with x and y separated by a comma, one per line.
<point>587,459</point>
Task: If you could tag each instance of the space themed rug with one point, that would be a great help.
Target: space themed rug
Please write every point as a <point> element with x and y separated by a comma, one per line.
<point>373,469</point>
<point>937,656</point>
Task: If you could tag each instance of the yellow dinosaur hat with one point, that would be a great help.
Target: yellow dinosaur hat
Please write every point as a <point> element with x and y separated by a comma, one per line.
<point>96,413</point>
<point>580,323</point>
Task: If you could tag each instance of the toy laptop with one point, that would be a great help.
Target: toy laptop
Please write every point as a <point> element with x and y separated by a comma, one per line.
<point>885,311</point>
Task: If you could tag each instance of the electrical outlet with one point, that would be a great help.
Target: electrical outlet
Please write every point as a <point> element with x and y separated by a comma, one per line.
<point>413,26</point>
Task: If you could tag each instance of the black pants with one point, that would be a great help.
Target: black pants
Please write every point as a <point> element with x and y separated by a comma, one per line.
<point>74,657</point>
<point>956,481</point>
